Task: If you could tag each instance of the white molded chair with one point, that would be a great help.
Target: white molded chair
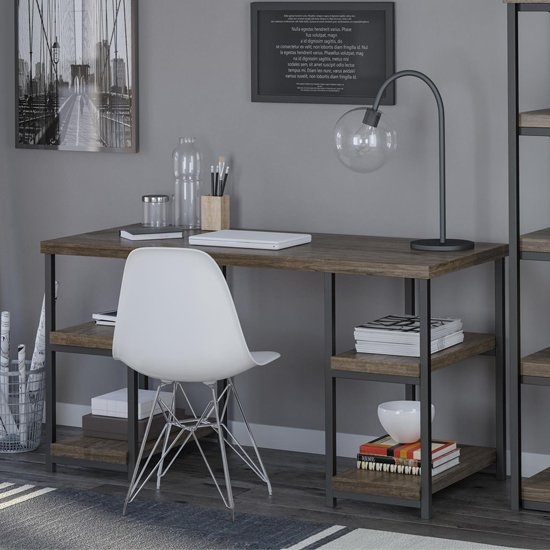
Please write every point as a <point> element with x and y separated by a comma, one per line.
<point>177,322</point>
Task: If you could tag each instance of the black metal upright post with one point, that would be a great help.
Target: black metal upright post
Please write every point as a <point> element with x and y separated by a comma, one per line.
<point>500,369</point>
<point>49,325</point>
<point>133,383</point>
<point>410,309</point>
<point>514,259</point>
<point>425,398</point>
<point>330,385</point>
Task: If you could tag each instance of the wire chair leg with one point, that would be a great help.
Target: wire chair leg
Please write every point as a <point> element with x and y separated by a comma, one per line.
<point>140,455</point>
<point>230,502</point>
<point>265,477</point>
<point>160,472</point>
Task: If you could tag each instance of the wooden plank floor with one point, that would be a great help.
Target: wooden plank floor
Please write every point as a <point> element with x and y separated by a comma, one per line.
<point>476,509</point>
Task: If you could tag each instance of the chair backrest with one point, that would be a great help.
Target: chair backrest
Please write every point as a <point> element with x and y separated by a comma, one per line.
<point>176,319</point>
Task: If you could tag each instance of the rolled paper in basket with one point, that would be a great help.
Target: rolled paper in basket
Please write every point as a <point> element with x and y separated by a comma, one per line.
<point>6,418</point>
<point>5,344</point>
<point>38,353</point>
<point>22,394</point>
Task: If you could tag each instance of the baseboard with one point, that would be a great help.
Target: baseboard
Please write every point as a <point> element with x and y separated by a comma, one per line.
<point>532,463</point>
<point>297,439</point>
<point>69,414</point>
<point>294,439</point>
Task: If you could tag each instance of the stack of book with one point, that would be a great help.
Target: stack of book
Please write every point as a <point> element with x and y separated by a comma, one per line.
<point>400,335</point>
<point>386,455</point>
<point>107,318</point>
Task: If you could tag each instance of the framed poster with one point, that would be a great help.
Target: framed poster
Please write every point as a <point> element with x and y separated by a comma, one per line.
<point>76,75</point>
<point>322,52</point>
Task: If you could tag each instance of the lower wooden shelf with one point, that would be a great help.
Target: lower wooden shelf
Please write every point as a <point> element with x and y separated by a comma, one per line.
<point>407,487</point>
<point>106,451</point>
<point>109,451</point>
<point>537,488</point>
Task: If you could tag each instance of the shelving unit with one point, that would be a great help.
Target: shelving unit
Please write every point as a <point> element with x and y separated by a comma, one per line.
<point>329,256</point>
<point>408,490</point>
<point>534,369</point>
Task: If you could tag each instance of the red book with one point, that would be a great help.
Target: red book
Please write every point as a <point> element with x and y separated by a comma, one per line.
<point>386,446</point>
<point>380,446</point>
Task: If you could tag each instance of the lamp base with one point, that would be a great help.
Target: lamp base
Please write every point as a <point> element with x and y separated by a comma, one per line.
<point>435,245</point>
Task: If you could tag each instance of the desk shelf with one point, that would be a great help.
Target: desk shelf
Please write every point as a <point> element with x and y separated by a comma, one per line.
<point>105,451</point>
<point>87,335</point>
<point>110,453</point>
<point>407,487</point>
<point>396,365</point>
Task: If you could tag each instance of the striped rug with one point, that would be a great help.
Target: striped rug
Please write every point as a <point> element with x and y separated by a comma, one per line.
<point>339,537</point>
<point>12,494</point>
<point>42,518</point>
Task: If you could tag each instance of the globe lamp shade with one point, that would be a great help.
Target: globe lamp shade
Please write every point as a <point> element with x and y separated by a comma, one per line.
<point>361,147</point>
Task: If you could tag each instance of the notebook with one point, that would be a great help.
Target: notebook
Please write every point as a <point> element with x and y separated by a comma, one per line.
<point>239,238</point>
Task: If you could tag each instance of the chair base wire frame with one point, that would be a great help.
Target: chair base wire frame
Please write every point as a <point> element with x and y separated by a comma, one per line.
<point>211,417</point>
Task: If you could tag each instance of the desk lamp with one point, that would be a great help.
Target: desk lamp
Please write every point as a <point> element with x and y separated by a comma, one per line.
<point>365,145</point>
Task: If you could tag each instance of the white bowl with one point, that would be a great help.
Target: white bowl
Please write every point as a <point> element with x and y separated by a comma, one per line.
<point>401,420</point>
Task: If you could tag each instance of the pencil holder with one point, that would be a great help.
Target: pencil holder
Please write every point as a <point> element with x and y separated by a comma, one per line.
<point>214,212</point>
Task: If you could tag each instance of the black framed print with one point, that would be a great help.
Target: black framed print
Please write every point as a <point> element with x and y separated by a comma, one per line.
<point>76,75</point>
<point>322,52</point>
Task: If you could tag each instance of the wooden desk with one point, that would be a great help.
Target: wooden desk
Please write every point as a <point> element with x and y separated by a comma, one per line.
<point>330,255</point>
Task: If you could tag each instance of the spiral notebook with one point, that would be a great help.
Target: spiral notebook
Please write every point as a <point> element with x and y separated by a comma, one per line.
<point>239,238</point>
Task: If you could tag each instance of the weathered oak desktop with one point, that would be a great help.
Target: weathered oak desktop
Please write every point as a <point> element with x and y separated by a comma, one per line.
<point>330,255</point>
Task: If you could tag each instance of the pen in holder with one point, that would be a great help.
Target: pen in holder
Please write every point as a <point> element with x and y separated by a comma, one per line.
<point>214,212</point>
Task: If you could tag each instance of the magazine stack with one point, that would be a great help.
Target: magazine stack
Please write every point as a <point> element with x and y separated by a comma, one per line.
<point>386,455</point>
<point>400,335</point>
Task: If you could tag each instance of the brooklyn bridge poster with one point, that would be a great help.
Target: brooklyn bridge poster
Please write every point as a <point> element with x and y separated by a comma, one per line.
<point>76,74</point>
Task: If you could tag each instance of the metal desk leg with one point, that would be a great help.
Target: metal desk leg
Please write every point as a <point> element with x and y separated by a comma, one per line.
<point>330,386</point>
<point>500,370</point>
<point>410,309</point>
<point>133,383</point>
<point>425,397</point>
<point>49,325</point>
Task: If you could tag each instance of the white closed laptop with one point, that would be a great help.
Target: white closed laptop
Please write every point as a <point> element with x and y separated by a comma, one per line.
<point>240,238</point>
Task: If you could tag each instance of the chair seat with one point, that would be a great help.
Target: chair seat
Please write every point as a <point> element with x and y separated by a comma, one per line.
<point>264,357</point>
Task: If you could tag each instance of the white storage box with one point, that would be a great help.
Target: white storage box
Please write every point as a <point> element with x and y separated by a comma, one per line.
<point>115,403</point>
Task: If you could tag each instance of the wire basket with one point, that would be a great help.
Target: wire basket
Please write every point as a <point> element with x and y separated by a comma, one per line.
<point>21,408</point>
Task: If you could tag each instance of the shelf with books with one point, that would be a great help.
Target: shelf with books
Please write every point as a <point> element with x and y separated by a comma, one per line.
<point>395,365</point>
<point>369,483</point>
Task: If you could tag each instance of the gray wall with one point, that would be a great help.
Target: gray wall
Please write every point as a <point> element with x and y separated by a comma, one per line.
<point>195,80</point>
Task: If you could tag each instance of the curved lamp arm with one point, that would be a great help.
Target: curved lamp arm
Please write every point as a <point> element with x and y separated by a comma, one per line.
<point>372,117</point>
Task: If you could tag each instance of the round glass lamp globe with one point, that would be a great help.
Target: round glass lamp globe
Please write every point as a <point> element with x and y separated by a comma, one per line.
<point>360,147</point>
